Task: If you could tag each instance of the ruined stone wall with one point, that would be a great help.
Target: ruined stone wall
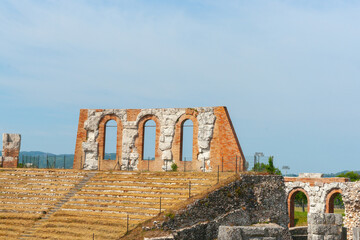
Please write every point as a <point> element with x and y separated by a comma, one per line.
<point>351,199</point>
<point>319,190</point>
<point>316,189</point>
<point>11,150</point>
<point>215,142</point>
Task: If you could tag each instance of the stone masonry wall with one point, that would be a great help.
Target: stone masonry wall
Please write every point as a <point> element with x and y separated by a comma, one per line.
<point>319,190</point>
<point>258,232</point>
<point>251,199</point>
<point>324,226</point>
<point>213,127</point>
<point>351,199</point>
<point>11,150</point>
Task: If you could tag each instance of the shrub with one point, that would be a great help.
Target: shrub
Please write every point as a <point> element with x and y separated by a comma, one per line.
<point>174,167</point>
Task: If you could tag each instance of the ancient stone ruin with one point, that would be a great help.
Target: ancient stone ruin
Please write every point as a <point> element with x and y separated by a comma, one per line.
<point>11,150</point>
<point>321,192</point>
<point>214,140</point>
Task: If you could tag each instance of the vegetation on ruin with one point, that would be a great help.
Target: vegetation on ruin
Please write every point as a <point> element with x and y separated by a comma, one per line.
<point>174,167</point>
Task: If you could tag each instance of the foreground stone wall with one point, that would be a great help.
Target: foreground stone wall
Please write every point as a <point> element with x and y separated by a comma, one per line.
<point>248,200</point>
<point>325,226</point>
<point>214,141</point>
<point>11,150</point>
<point>258,232</point>
<point>351,199</point>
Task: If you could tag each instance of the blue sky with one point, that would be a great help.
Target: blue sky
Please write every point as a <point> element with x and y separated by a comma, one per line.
<point>288,71</point>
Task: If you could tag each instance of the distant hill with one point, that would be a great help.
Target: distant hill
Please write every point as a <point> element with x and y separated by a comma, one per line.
<point>39,153</point>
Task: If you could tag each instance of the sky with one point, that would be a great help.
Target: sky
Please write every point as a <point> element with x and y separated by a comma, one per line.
<point>288,71</point>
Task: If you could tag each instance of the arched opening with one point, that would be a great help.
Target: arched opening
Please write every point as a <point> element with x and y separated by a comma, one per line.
<point>298,207</point>
<point>110,140</point>
<point>334,203</point>
<point>149,141</point>
<point>187,136</point>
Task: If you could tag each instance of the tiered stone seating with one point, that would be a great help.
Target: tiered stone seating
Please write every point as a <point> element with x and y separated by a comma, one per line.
<point>26,195</point>
<point>103,204</point>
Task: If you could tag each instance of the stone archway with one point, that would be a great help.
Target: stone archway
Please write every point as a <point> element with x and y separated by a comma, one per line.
<point>291,204</point>
<point>330,200</point>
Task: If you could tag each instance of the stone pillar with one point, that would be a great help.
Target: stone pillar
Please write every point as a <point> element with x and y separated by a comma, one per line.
<point>11,150</point>
<point>322,226</point>
<point>356,233</point>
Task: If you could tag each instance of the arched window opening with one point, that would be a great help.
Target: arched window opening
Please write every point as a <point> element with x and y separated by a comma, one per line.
<point>334,203</point>
<point>298,209</point>
<point>110,140</point>
<point>187,134</point>
<point>149,140</point>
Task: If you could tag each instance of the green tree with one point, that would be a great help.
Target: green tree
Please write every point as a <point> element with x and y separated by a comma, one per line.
<point>352,175</point>
<point>269,167</point>
<point>301,199</point>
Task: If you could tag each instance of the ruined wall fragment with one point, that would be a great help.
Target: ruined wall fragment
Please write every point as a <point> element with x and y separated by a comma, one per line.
<point>11,150</point>
<point>90,138</point>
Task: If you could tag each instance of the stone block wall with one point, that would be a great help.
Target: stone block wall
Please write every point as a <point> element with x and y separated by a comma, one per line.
<point>261,232</point>
<point>11,150</point>
<point>324,226</point>
<point>214,140</point>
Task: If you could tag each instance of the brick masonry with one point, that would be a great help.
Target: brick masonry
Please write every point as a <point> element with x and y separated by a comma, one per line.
<point>215,143</point>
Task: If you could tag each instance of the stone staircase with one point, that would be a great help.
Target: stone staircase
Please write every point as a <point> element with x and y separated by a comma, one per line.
<point>299,233</point>
<point>30,232</point>
<point>93,204</point>
<point>28,195</point>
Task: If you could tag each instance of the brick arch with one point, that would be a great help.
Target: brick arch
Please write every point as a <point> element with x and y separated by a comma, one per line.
<point>139,144</point>
<point>109,164</point>
<point>177,143</point>
<point>291,204</point>
<point>330,197</point>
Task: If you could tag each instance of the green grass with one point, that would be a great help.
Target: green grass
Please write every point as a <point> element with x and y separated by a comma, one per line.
<point>300,217</point>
